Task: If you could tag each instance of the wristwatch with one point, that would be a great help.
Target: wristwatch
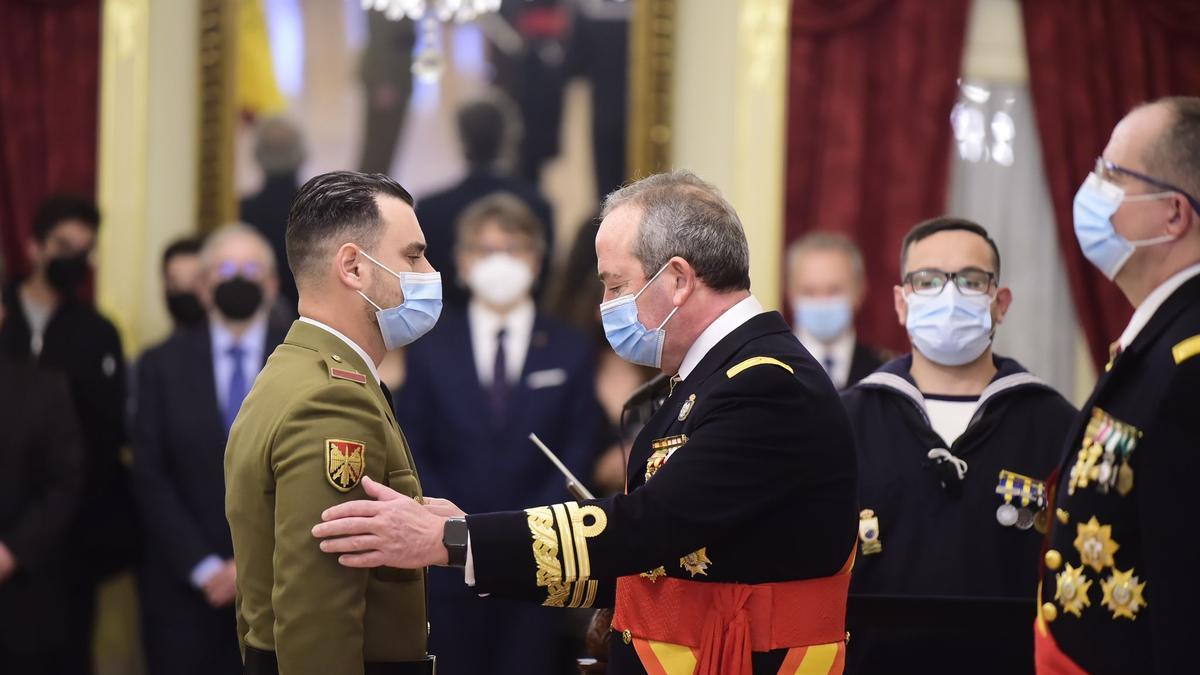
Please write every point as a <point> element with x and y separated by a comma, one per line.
<point>454,538</point>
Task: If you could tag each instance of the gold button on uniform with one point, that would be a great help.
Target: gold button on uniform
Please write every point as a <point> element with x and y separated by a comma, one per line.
<point>1049,612</point>
<point>626,636</point>
<point>1053,560</point>
<point>336,358</point>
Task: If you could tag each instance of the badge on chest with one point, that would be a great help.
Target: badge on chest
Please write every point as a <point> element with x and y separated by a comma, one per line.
<point>661,450</point>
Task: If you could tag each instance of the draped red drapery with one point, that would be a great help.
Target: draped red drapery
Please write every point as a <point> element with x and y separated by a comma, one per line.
<point>1090,62</point>
<point>49,78</point>
<point>871,87</point>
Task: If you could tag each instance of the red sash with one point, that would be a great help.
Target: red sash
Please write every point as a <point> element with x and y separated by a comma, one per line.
<point>727,621</point>
<point>1047,657</point>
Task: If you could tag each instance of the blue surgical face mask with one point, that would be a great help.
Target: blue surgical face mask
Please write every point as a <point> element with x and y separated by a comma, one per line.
<point>825,318</point>
<point>950,328</point>
<point>1095,203</point>
<point>416,316</point>
<point>629,338</point>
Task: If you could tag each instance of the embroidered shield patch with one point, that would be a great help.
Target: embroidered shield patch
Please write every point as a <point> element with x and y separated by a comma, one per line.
<point>345,462</point>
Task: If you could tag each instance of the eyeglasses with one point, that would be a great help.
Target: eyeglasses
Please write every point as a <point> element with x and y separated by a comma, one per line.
<point>929,282</point>
<point>228,269</point>
<point>1107,170</point>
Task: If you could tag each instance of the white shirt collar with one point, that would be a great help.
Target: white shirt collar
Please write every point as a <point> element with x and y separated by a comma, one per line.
<point>725,324</point>
<point>1149,306</point>
<point>840,352</point>
<point>357,350</point>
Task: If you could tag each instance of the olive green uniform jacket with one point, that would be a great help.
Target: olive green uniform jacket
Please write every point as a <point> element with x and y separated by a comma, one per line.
<point>313,424</point>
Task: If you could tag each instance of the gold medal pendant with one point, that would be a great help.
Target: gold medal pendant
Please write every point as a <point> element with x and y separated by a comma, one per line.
<point>1095,544</point>
<point>1072,590</point>
<point>696,562</point>
<point>1123,594</point>
<point>1124,479</point>
<point>654,574</point>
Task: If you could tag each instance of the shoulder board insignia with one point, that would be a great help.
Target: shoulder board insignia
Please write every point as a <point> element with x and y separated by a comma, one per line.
<point>1186,349</point>
<point>351,375</point>
<point>757,361</point>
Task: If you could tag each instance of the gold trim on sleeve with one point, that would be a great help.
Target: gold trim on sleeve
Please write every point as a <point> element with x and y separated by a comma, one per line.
<point>545,553</point>
<point>564,536</point>
<point>584,531</point>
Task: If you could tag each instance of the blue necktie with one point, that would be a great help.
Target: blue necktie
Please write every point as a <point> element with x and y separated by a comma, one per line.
<point>238,386</point>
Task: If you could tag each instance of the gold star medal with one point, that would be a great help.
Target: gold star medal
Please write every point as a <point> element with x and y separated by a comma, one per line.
<point>1072,590</point>
<point>654,574</point>
<point>1095,544</point>
<point>696,562</point>
<point>1123,594</point>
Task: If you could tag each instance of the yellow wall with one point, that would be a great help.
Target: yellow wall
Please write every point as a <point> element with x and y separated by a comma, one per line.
<point>147,163</point>
<point>730,99</point>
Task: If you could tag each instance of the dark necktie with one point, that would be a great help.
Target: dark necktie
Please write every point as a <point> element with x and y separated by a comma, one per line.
<point>827,363</point>
<point>499,379</point>
<point>238,386</point>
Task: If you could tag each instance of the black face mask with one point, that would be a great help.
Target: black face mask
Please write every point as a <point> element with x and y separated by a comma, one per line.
<point>238,298</point>
<point>185,309</point>
<point>65,273</point>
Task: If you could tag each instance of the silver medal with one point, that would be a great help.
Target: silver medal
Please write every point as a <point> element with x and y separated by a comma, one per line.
<point>1006,515</point>
<point>1024,519</point>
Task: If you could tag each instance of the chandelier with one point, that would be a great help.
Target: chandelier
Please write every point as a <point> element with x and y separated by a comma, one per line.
<point>429,15</point>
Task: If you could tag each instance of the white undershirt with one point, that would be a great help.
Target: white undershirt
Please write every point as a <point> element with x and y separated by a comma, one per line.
<point>950,418</point>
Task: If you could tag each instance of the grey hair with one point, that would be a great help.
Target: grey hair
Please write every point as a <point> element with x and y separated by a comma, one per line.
<point>828,241</point>
<point>685,216</point>
<point>279,146</point>
<point>215,240</point>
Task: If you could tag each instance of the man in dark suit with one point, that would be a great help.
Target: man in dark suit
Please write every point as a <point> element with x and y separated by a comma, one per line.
<point>475,389</point>
<point>52,326</point>
<point>483,130</point>
<point>189,390</point>
<point>279,151</point>
<point>731,550</point>
<point>826,285</point>
<point>1118,591</point>
<point>42,454</point>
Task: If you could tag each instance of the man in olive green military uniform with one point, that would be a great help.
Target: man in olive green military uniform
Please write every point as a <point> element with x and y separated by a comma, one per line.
<point>318,420</point>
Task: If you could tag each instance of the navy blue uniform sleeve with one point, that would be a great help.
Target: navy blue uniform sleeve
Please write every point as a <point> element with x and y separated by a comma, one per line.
<point>750,451</point>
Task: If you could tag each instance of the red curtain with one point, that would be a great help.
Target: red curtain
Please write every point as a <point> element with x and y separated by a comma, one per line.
<point>1090,61</point>
<point>49,77</point>
<point>871,87</point>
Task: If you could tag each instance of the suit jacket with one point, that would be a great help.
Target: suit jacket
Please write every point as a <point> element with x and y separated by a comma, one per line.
<point>267,211</point>
<point>314,423</point>
<point>484,464</point>
<point>42,455</point>
<point>760,488</point>
<point>85,347</point>
<point>180,449</point>
<point>1118,582</point>
<point>438,214</point>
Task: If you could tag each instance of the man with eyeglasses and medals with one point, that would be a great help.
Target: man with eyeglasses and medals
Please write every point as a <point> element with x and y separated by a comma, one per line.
<point>1118,579</point>
<point>731,550</point>
<point>953,444</point>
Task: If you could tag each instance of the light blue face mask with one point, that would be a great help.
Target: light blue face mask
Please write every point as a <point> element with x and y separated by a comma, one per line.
<point>1095,203</point>
<point>950,328</point>
<point>825,318</point>
<point>416,316</point>
<point>629,338</point>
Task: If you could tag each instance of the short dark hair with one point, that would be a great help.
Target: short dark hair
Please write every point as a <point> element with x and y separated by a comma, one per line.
<point>1175,155</point>
<point>62,207</point>
<point>946,224</point>
<point>332,209</point>
<point>481,129</point>
<point>509,212</point>
<point>184,246</point>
